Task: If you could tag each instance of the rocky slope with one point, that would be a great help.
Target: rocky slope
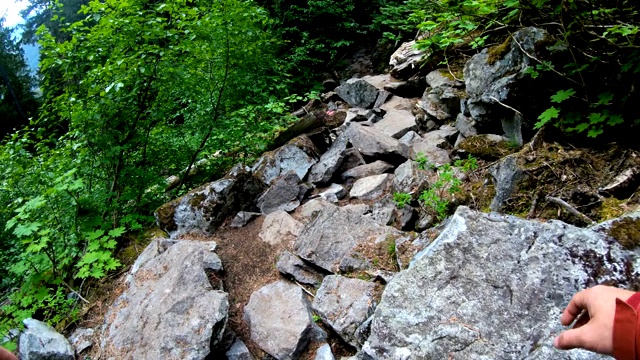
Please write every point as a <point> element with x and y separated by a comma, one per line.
<point>359,276</point>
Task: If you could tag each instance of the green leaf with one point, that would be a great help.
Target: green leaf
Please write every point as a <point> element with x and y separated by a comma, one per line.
<point>605,98</point>
<point>117,232</point>
<point>548,115</point>
<point>26,229</point>
<point>95,234</point>
<point>596,118</point>
<point>562,95</point>
<point>615,120</point>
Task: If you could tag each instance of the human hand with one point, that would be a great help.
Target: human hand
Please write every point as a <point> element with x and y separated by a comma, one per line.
<point>594,329</point>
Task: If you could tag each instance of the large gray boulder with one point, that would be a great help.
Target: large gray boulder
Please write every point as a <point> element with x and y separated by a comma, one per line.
<point>293,267</point>
<point>279,227</point>
<point>408,178</point>
<point>397,123</point>
<point>325,241</point>
<point>345,304</point>
<point>374,144</point>
<point>285,194</point>
<point>358,93</point>
<point>492,287</point>
<point>202,210</point>
<point>40,341</point>
<point>291,157</point>
<point>169,309</point>
<point>492,76</point>
<point>280,321</point>
<point>371,187</point>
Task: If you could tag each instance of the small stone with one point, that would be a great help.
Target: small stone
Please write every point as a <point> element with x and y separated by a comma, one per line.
<point>435,155</point>
<point>243,218</point>
<point>335,191</point>
<point>375,168</point>
<point>329,162</point>
<point>505,177</point>
<point>397,123</point>
<point>410,138</point>
<point>324,353</point>
<point>238,351</point>
<point>358,93</point>
<point>81,339</point>
<point>623,185</point>
<point>292,266</point>
<point>41,341</point>
<point>285,194</point>
<point>370,187</point>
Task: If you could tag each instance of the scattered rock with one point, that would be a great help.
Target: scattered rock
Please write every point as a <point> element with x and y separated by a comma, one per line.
<point>238,351</point>
<point>334,193</point>
<point>406,61</point>
<point>466,125</point>
<point>375,168</point>
<point>410,138</point>
<point>81,339</point>
<point>325,243</point>
<point>290,157</point>
<point>362,115</point>
<point>352,159</point>
<point>505,176</point>
<point>41,341</point>
<point>372,143</point>
<point>243,218</point>
<point>345,304</point>
<point>442,78</point>
<point>202,210</point>
<point>383,96</point>
<point>382,212</point>
<point>329,161</point>
<point>169,289</point>
<point>279,319</point>
<point>285,194</point>
<point>324,353</point>
<point>414,87</point>
<point>370,187</point>
<point>292,266</point>
<point>500,287</point>
<point>397,123</point>
<point>279,227</point>
<point>398,103</point>
<point>358,93</point>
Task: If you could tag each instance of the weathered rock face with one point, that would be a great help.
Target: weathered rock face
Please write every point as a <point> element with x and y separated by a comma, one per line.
<point>280,320</point>
<point>326,242</point>
<point>206,207</point>
<point>345,304</point>
<point>409,179</point>
<point>292,266</point>
<point>238,351</point>
<point>81,339</point>
<point>492,285</point>
<point>40,341</point>
<point>505,176</point>
<point>397,123</point>
<point>375,168</point>
<point>370,187</point>
<point>358,93</point>
<point>492,75</point>
<point>169,309</point>
<point>287,158</point>
<point>329,162</point>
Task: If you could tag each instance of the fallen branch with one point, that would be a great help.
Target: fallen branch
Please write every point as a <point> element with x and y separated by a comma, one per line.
<point>305,290</point>
<point>505,105</point>
<point>563,204</point>
<point>534,204</point>
<point>75,292</point>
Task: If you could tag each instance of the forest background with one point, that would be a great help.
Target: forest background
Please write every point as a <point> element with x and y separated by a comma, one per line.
<point>131,92</point>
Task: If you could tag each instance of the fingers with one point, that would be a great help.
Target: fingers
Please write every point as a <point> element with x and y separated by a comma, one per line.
<point>575,307</point>
<point>574,338</point>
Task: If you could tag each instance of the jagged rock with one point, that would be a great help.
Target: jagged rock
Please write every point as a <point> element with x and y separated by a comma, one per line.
<point>361,115</point>
<point>435,155</point>
<point>440,103</point>
<point>406,217</point>
<point>492,285</point>
<point>352,159</point>
<point>408,178</point>
<point>623,185</point>
<point>505,176</point>
<point>396,123</point>
<point>324,353</point>
<point>285,194</point>
<point>287,158</point>
<point>325,243</point>
<point>375,168</point>
<point>383,96</point>
<point>379,81</point>
<point>410,138</point>
<point>334,193</point>
<point>292,266</point>
<point>382,211</point>
<point>492,75</point>
<point>243,218</point>
<point>358,93</point>
<point>41,341</point>
<point>203,209</point>
<point>372,143</point>
<point>413,87</point>
<point>466,125</point>
<point>168,300</point>
<point>279,319</point>
<point>329,161</point>
<point>345,304</point>
<point>406,61</point>
<point>238,351</point>
<point>279,227</point>
<point>81,339</point>
<point>370,187</point>
<point>397,103</point>
<point>442,78</point>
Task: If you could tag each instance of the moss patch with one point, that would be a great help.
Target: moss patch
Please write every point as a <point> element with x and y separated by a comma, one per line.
<point>483,147</point>
<point>497,52</point>
<point>627,232</point>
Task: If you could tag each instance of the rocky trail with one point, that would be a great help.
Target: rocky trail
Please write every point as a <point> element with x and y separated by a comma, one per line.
<point>310,253</point>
